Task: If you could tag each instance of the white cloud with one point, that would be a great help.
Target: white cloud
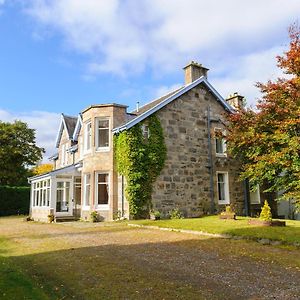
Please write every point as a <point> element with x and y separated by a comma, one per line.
<point>126,37</point>
<point>245,71</point>
<point>45,123</point>
<point>165,89</point>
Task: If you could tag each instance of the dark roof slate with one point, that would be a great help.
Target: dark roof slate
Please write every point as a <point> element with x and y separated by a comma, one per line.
<point>154,102</point>
<point>70,123</point>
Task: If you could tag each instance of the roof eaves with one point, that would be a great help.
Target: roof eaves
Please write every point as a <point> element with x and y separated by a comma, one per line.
<point>77,127</point>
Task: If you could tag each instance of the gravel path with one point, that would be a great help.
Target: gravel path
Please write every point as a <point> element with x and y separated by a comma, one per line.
<point>224,269</point>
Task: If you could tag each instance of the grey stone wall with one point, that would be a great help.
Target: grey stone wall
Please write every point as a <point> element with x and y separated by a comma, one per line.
<point>184,182</point>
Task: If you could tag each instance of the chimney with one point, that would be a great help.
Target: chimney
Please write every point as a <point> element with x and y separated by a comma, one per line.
<point>236,101</point>
<point>193,71</point>
<point>137,106</point>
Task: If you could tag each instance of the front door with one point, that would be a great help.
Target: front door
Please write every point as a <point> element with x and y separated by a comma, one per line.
<point>64,204</point>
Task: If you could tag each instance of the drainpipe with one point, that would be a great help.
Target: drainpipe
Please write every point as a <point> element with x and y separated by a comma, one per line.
<point>246,196</point>
<point>210,164</point>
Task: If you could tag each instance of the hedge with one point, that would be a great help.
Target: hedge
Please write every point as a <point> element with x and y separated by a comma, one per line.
<point>14,200</point>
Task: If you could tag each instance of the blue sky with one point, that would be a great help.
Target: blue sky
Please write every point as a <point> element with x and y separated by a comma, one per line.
<point>63,55</point>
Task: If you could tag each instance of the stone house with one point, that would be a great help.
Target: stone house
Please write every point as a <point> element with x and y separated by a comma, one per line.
<point>198,176</point>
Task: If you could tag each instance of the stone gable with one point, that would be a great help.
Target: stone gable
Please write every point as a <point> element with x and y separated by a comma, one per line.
<point>184,182</point>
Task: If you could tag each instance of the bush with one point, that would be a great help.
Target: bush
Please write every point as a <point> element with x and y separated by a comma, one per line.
<point>14,200</point>
<point>175,214</point>
<point>94,216</point>
<point>266,214</point>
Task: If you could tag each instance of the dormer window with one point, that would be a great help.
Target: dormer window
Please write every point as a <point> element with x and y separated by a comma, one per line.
<point>102,134</point>
<point>220,142</point>
<point>87,136</point>
<point>145,131</point>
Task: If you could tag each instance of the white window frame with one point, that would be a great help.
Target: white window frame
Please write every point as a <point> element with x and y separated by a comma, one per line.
<point>98,148</point>
<point>102,206</point>
<point>255,196</point>
<point>226,186</point>
<point>145,131</point>
<point>87,136</point>
<point>41,193</point>
<point>223,140</point>
<point>84,205</point>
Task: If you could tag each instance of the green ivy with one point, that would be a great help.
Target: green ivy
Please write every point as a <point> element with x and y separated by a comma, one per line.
<point>140,161</point>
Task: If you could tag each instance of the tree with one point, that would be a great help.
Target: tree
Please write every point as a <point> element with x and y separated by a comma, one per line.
<point>267,139</point>
<point>18,152</point>
<point>265,213</point>
<point>42,169</point>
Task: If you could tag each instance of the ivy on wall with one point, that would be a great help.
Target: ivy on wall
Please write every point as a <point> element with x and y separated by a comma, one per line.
<point>140,160</point>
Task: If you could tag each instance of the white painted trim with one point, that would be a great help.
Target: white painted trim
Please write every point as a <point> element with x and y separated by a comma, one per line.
<point>84,206</point>
<point>227,195</point>
<point>78,126</point>
<point>102,206</point>
<point>85,150</point>
<point>255,195</point>
<point>97,148</point>
<point>224,154</point>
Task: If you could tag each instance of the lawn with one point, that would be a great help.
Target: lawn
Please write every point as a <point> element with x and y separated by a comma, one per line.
<point>114,261</point>
<point>212,224</point>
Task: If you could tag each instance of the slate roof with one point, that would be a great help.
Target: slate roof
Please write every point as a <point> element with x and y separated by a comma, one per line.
<point>150,108</point>
<point>70,122</point>
<point>154,102</point>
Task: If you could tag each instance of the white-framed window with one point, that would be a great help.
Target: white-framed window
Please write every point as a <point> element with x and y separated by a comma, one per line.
<point>86,190</point>
<point>220,142</point>
<point>255,196</point>
<point>102,190</point>
<point>145,131</point>
<point>87,136</point>
<point>102,134</point>
<point>223,188</point>
<point>41,193</point>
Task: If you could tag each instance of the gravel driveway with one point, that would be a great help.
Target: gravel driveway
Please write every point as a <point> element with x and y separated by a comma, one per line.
<point>119,262</point>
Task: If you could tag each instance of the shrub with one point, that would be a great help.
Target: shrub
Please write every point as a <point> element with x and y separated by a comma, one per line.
<point>175,214</point>
<point>266,214</point>
<point>14,200</point>
<point>94,216</point>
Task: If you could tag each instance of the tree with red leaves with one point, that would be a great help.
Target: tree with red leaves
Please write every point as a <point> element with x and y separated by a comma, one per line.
<point>267,139</point>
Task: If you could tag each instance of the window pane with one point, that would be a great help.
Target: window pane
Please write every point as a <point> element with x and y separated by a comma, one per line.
<point>103,137</point>
<point>48,197</point>
<point>87,190</point>
<point>102,194</point>
<point>60,185</point>
<point>103,123</point>
<point>219,146</point>
<point>102,177</point>
<point>221,191</point>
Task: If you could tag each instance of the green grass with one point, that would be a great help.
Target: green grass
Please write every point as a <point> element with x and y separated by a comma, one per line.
<point>212,224</point>
<point>14,284</point>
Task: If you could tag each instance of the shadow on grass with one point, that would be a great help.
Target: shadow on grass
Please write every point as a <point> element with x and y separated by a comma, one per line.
<point>185,269</point>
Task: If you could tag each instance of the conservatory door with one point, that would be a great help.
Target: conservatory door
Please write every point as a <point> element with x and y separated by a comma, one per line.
<point>64,203</point>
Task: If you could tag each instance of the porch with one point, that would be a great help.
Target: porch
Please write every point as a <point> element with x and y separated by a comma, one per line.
<point>57,193</point>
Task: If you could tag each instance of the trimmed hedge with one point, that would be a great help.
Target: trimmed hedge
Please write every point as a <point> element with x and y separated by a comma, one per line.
<point>14,200</point>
